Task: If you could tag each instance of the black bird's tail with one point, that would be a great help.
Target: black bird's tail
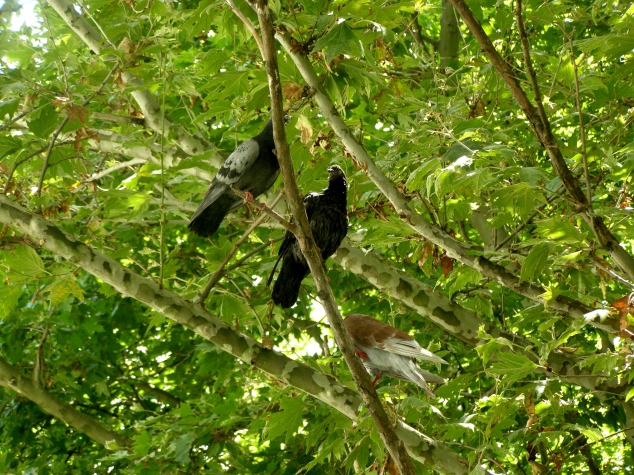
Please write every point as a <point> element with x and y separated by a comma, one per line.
<point>286,288</point>
<point>206,223</point>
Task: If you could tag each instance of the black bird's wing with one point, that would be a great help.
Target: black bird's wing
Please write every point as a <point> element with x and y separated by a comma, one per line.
<point>235,167</point>
<point>310,200</point>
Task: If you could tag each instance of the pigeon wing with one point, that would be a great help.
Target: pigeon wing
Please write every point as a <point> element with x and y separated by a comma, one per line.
<point>235,166</point>
<point>409,348</point>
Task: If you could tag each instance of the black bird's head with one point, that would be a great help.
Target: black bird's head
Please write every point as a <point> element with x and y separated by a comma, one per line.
<point>335,172</point>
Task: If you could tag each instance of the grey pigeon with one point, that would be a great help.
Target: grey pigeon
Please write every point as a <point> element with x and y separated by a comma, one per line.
<point>328,218</point>
<point>390,351</point>
<point>252,168</point>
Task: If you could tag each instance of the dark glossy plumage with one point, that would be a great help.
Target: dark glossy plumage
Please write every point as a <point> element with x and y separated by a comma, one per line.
<point>328,219</point>
<point>390,351</point>
<point>252,168</point>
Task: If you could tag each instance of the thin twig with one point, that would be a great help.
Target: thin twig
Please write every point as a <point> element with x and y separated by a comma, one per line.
<point>568,454</point>
<point>549,201</point>
<point>114,168</point>
<point>261,247</point>
<point>582,130</point>
<point>202,296</point>
<point>613,274</point>
<point>529,64</point>
<point>117,118</point>
<point>248,24</point>
<point>265,209</point>
<point>37,368</point>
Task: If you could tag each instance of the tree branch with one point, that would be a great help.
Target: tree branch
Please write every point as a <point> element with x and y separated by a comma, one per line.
<point>202,296</point>
<point>543,132</point>
<point>455,249</point>
<point>248,24</point>
<point>319,385</point>
<point>12,379</point>
<point>460,322</point>
<point>152,113</point>
<point>306,242</point>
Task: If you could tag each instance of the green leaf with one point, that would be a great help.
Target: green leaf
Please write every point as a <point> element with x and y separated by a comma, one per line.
<point>45,124</point>
<point>520,198</point>
<point>142,443</point>
<point>535,262</point>
<point>340,39</point>
<point>512,366</point>
<point>9,145</point>
<point>9,297</point>
<point>24,264</point>
<point>562,231</point>
<point>233,307</point>
<point>181,447</point>
<point>288,420</point>
<point>359,453</point>
<point>62,288</point>
<point>418,177</point>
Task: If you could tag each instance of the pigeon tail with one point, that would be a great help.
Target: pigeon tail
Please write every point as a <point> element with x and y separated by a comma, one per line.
<point>208,221</point>
<point>288,283</point>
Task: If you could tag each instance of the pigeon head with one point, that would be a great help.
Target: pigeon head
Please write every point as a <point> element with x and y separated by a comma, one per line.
<point>335,172</point>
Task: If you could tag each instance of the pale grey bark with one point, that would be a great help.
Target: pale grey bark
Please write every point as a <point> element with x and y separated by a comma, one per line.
<point>320,385</point>
<point>106,141</point>
<point>12,379</point>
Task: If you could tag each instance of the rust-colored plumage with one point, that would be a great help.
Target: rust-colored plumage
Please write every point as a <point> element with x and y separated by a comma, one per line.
<point>390,351</point>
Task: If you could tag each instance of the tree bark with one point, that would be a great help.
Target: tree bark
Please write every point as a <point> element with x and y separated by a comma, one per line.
<point>319,385</point>
<point>455,249</point>
<point>393,443</point>
<point>449,42</point>
<point>12,379</point>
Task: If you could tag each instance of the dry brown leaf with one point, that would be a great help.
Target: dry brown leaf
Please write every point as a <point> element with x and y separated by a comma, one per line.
<point>446,263</point>
<point>292,92</point>
<point>424,255</point>
<point>305,128</point>
<point>126,45</point>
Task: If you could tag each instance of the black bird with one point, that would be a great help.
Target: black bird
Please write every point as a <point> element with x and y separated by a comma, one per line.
<point>328,218</point>
<point>252,168</point>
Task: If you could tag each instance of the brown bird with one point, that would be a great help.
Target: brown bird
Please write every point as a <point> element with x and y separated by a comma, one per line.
<point>390,351</point>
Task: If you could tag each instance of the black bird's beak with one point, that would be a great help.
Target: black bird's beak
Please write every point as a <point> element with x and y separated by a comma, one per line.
<point>286,118</point>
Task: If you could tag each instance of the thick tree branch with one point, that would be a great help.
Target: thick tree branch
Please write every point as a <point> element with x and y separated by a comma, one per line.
<point>320,385</point>
<point>455,249</point>
<point>394,445</point>
<point>111,142</point>
<point>543,132</point>
<point>12,379</point>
